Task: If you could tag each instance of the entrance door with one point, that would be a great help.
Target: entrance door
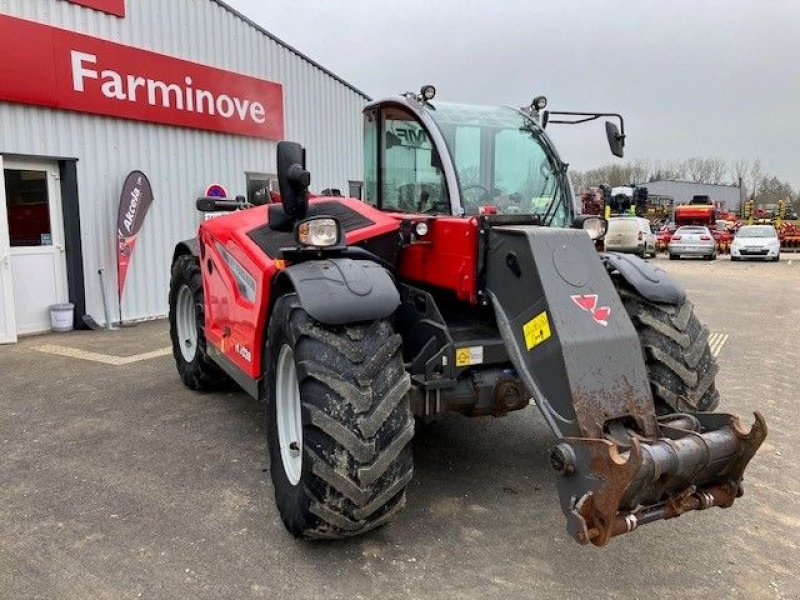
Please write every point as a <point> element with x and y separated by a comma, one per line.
<point>35,230</point>
<point>8,328</point>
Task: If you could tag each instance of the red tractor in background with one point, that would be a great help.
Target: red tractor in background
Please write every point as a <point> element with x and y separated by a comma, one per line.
<point>465,282</point>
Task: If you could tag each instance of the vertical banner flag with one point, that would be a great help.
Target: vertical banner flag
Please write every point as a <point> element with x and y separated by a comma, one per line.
<point>135,200</point>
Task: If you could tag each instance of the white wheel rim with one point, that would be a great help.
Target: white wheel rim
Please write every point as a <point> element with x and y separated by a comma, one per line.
<point>186,322</point>
<point>288,415</point>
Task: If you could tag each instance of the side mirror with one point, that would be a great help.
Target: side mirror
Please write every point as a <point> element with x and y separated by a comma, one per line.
<point>616,141</point>
<point>595,226</point>
<point>293,179</point>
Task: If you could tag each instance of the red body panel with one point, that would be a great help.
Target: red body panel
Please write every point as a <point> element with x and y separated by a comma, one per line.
<point>446,257</point>
<point>233,323</point>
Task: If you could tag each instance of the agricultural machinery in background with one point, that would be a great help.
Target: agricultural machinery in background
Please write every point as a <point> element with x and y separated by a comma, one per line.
<point>775,215</point>
<point>457,286</point>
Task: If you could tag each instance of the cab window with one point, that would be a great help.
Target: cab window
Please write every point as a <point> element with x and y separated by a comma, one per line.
<point>412,176</point>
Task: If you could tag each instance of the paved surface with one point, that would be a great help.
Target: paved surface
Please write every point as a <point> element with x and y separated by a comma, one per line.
<point>116,482</point>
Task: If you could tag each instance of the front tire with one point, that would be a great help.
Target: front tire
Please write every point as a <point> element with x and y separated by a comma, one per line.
<point>680,366</point>
<point>338,422</point>
<point>186,327</point>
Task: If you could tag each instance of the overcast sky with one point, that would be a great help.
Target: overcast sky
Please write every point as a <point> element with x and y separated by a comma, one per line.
<point>692,78</point>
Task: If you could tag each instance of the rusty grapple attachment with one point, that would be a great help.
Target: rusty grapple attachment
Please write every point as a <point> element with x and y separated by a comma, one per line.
<point>574,346</point>
<point>607,488</point>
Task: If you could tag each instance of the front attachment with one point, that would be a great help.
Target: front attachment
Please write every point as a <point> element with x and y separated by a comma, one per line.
<point>573,344</point>
<point>607,489</point>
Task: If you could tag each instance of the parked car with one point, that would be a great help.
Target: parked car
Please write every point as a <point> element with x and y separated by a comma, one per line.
<point>756,241</point>
<point>692,240</point>
<point>630,234</point>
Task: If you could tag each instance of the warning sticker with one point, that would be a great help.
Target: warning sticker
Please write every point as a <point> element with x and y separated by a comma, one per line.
<point>537,330</point>
<point>472,355</point>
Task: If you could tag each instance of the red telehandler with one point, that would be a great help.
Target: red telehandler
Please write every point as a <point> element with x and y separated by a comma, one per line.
<point>467,282</point>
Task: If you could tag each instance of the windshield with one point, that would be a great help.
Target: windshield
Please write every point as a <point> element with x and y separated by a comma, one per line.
<point>503,161</point>
<point>765,231</point>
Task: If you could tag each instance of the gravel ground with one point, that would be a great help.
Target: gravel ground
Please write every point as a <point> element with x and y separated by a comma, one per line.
<point>117,482</point>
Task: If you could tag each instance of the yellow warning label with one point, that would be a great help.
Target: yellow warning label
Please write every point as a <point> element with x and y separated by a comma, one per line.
<point>537,330</point>
<point>472,355</point>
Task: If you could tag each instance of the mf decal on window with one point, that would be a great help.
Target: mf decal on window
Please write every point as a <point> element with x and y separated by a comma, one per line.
<point>537,330</point>
<point>407,136</point>
<point>588,302</point>
<point>244,281</point>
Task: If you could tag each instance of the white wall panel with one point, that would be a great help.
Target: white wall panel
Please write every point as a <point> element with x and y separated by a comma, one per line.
<point>321,112</point>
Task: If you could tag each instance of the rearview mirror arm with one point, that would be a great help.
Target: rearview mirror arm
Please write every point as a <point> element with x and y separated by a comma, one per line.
<point>586,117</point>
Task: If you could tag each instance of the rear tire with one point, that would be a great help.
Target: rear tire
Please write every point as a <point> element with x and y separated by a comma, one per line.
<point>186,327</point>
<point>673,256</point>
<point>350,470</point>
<point>680,366</point>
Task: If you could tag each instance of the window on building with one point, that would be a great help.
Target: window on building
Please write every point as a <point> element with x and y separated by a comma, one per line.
<point>355,189</point>
<point>261,187</point>
<point>28,207</point>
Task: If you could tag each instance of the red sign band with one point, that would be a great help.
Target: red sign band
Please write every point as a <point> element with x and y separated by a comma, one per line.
<point>53,67</point>
<point>112,7</point>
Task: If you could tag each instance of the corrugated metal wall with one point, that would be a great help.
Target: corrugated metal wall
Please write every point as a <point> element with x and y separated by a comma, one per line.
<point>682,191</point>
<point>320,112</point>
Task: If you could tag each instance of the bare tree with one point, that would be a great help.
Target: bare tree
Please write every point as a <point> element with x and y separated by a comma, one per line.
<point>715,170</point>
<point>739,170</point>
<point>579,180</point>
<point>641,170</point>
<point>756,175</point>
<point>705,170</point>
<point>668,170</point>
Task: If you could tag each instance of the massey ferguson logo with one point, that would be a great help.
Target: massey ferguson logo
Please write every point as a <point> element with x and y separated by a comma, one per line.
<point>588,302</point>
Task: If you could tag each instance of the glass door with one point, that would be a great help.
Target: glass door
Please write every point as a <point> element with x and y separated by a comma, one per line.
<point>36,239</point>
<point>8,328</point>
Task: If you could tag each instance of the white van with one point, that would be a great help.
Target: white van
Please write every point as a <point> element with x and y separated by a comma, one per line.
<point>630,234</point>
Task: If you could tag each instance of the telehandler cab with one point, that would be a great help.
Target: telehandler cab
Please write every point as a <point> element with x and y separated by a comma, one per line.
<point>467,282</point>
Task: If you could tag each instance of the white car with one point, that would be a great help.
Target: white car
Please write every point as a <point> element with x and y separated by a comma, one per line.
<point>630,234</point>
<point>756,241</point>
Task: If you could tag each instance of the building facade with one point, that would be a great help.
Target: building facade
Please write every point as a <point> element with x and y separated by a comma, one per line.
<point>729,197</point>
<point>189,92</point>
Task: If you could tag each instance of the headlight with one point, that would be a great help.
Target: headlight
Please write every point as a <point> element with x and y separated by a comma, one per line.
<point>595,227</point>
<point>320,232</point>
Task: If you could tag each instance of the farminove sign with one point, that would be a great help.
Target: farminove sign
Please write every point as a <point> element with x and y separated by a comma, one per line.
<point>86,74</point>
<point>112,7</point>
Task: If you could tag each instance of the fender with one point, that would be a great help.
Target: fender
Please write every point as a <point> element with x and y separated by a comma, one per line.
<point>651,282</point>
<point>189,246</point>
<point>337,291</point>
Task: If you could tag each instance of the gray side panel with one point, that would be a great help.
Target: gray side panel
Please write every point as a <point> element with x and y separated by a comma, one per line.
<point>339,291</point>
<point>650,281</point>
<point>591,368</point>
